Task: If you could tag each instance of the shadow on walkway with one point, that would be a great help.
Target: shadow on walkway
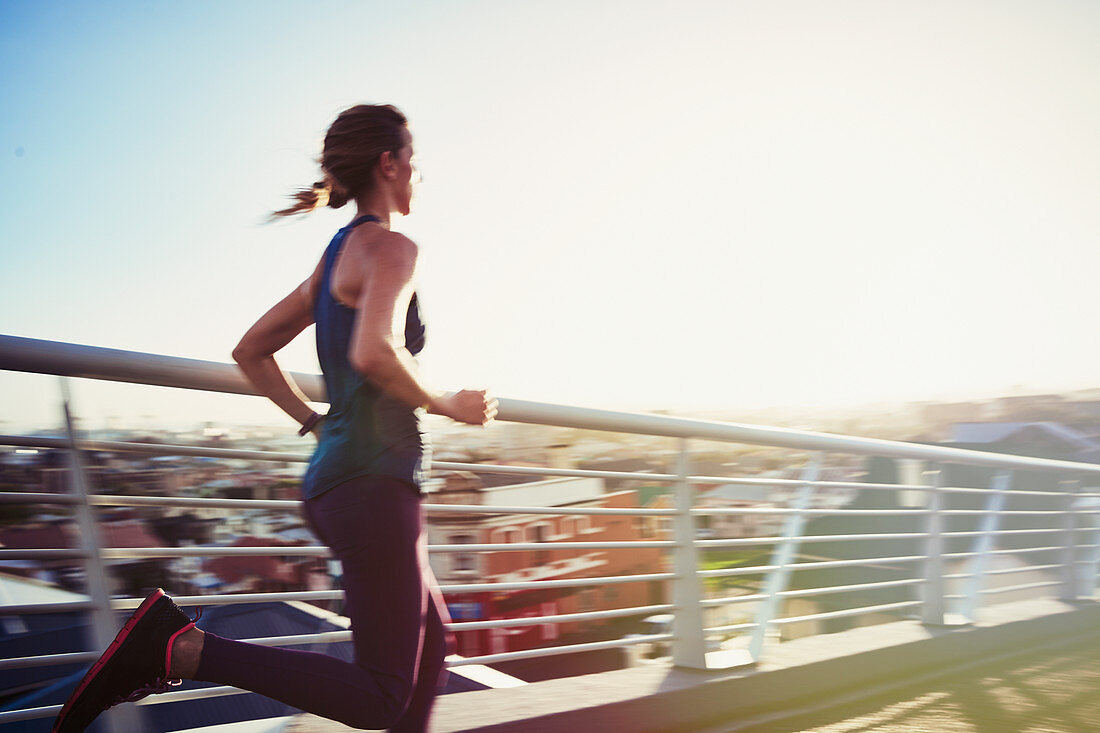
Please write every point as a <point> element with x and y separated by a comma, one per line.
<point>1056,692</point>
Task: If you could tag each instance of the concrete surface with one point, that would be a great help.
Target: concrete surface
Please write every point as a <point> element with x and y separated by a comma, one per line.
<point>1055,690</point>
<point>800,674</point>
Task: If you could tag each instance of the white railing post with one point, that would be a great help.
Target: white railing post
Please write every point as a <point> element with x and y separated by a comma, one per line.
<point>783,556</point>
<point>689,645</point>
<point>990,521</point>
<point>1070,589</point>
<point>933,590</point>
<point>1090,563</point>
<point>104,625</point>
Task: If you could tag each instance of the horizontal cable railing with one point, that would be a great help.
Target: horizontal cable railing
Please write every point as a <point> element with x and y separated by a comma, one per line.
<point>929,536</point>
<point>855,588</point>
<point>882,608</point>
<point>208,692</point>
<point>333,637</point>
<point>166,449</point>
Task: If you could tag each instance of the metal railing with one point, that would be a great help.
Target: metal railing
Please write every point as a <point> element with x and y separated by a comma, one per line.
<point>1075,540</point>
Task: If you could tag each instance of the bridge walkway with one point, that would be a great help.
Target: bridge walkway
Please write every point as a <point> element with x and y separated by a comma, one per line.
<point>1053,690</point>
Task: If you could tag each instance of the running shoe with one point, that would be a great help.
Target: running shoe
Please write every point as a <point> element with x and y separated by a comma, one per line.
<point>135,665</point>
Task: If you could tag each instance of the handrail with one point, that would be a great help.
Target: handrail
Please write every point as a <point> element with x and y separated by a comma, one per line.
<point>94,362</point>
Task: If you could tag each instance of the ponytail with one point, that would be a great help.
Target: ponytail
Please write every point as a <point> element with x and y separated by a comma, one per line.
<point>323,193</point>
<point>353,145</point>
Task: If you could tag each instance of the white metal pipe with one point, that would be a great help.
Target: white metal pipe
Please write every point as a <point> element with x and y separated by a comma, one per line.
<point>294,505</point>
<point>1070,586</point>
<point>52,357</point>
<point>1001,531</point>
<point>932,592</point>
<point>689,645</point>
<point>782,557</point>
<point>43,554</point>
<point>98,580</point>
<point>1025,586</point>
<point>129,604</point>
<point>854,588</point>
<point>48,660</point>
<point>728,629</point>
<point>21,609</point>
<point>118,553</point>
<point>732,600</point>
<point>1008,551</point>
<point>561,618</point>
<point>558,510</point>
<point>32,497</point>
<point>564,583</point>
<point>848,612</point>
<point>94,362</point>
<point>334,637</point>
<point>282,457</point>
<point>291,505</point>
<point>555,650</point>
<point>323,637</point>
<point>1089,565</point>
<point>200,693</point>
<point>111,446</point>
<point>553,472</point>
<point>1007,512</point>
<point>813,565</point>
<point>15,716</point>
<point>983,544</point>
<point>823,591</point>
<point>1004,571</point>
<point>820,511</point>
<point>563,545</point>
<point>704,544</point>
<point>130,553</point>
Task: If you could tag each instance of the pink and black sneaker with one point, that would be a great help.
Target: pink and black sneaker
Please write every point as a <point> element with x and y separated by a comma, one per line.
<point>135,665</point>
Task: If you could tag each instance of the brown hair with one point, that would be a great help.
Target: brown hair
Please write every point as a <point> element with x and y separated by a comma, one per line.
<point>353,145</point>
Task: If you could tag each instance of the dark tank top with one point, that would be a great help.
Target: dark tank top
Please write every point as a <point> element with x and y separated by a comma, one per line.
<point>366,431</point>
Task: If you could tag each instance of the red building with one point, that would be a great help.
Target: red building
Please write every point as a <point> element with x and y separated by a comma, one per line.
<point>547,564</point>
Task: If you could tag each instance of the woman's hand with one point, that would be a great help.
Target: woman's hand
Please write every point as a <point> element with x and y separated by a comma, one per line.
<point>471,406</point>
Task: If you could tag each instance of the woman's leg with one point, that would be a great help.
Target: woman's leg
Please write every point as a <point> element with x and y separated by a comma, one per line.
<point>438,642</point>
<point>373,527</point>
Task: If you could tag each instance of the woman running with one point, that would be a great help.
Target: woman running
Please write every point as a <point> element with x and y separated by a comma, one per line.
<point>361,493</point>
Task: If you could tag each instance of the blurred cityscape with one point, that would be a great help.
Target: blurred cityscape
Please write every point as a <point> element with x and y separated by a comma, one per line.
<point>1065,426</point>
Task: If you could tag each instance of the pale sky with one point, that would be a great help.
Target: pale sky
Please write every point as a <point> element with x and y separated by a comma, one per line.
<point>637,205</point>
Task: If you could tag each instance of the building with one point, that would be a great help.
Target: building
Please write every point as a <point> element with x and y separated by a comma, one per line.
<point>505,566</point>
<point>1045,439</point>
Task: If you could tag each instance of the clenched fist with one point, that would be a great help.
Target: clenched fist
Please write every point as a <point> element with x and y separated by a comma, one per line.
<point>471,406</point>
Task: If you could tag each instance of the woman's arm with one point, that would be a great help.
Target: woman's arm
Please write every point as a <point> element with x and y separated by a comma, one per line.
<point>275,329</point>
<point>377,349</point>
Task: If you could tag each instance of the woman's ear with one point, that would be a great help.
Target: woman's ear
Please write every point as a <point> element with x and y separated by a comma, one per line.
<point>387,166</point>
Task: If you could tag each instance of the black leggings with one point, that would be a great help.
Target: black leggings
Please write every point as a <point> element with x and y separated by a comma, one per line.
<point>373,525</point>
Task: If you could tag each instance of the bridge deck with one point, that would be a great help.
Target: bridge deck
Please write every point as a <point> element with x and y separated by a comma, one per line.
<point>1056,690</point>
<point>804,674</point>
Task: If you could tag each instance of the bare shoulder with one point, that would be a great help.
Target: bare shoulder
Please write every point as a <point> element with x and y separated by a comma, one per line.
<point>397,245</point>
<point>389,250</point>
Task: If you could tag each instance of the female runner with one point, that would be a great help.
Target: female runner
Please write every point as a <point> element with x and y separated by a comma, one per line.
<point>361,492</point>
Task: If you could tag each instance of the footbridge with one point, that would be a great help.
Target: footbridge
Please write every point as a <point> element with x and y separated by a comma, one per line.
<point>958,566</point>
